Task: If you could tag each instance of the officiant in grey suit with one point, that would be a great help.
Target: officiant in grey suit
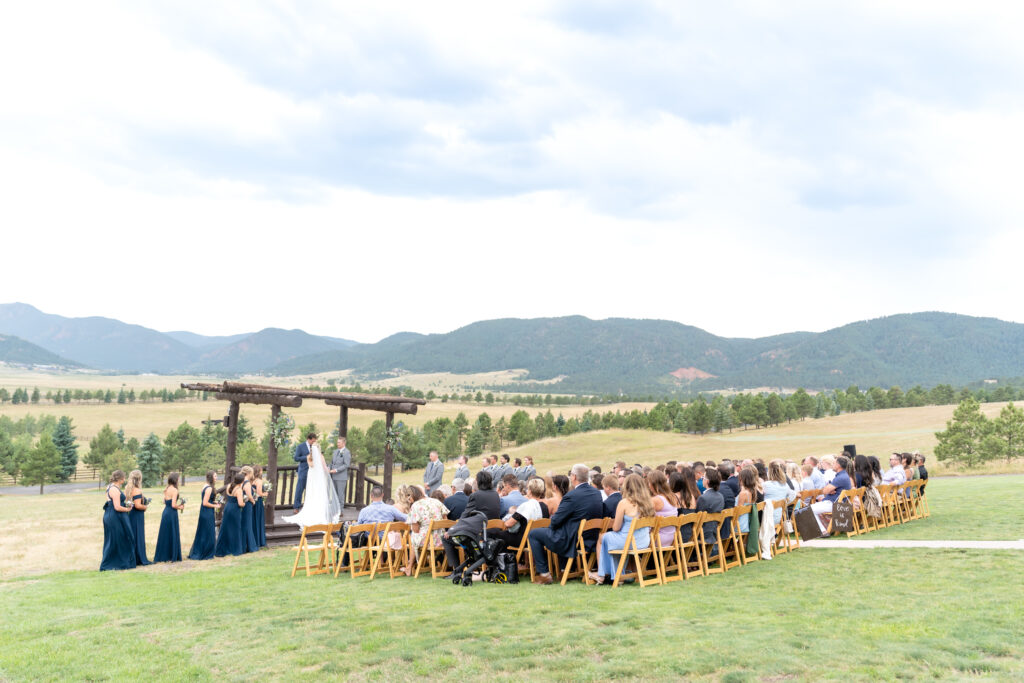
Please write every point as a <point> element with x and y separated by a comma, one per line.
<point>340,462</point>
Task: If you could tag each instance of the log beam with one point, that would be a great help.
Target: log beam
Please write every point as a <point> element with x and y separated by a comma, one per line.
<point>308,393</point>
<point>406,408</point>
<point>276,400</point>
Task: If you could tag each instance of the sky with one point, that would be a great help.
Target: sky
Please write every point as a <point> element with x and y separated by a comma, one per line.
<point>360,169</point>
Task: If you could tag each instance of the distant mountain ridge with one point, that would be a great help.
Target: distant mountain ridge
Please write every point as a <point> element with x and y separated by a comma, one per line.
<point>583,355</point>
<point>21,352</point>
<point>639,356</point>
<point>108,344</point>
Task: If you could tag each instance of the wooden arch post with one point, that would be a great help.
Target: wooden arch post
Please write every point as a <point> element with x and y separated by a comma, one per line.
<point>389,456</point>
<point>268,513</point>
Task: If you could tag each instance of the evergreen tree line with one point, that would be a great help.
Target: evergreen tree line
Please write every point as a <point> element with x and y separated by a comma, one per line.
<point>971,438</point>
<point>122,396</point>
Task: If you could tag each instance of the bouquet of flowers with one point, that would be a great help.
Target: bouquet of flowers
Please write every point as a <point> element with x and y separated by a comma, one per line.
<point>181,502</point>
<point>267,487</point>
<point>220,499</point>
<point>146,501</point>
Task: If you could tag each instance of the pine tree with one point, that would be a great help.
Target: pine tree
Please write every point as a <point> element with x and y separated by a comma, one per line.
<point>122,397</point>
<point>35,395</point>
<point>105,443</point>
<point>964,434</point>
<point>151,460</point>
<point>64,440</point>
<point>42,466</point>
<point>1006,439</point>
<point>8,462</point>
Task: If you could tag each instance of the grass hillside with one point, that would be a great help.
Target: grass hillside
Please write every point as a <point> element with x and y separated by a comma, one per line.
<point>15,350</point>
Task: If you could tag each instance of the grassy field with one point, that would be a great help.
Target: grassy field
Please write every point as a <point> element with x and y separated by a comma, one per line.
<point>810,615</point>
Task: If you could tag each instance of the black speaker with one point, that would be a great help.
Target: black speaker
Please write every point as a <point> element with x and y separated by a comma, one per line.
<point>851,449</point>
<point>227,420</point>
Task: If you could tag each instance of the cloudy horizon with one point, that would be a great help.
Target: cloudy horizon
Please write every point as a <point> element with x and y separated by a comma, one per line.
<point>357,171</point>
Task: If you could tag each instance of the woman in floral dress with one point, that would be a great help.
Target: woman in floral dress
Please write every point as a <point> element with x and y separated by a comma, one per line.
<point>422,511</point>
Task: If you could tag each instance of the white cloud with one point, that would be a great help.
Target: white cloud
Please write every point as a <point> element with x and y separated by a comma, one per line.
<point>748,169</point>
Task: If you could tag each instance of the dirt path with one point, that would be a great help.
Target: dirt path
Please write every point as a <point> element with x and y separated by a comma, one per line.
<point>971,545</point>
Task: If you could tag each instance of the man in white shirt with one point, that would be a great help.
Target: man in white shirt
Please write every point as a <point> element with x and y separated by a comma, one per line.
<point>895,473</point>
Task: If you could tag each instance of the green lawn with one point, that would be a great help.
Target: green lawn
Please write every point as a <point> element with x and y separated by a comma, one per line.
<point>862,614</point>
<point>810,615</point>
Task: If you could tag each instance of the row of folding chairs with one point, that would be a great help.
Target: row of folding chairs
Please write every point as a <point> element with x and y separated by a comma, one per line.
<point>901,503</point>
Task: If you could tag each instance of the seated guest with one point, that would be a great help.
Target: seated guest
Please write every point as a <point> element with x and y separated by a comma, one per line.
<point>519,516</point>
<point>910,471</point>
<point>776,488</point>
<point>921,469</point>
<point>581,503</point>
<point>612,495</point>
<point>484,500</point>
<point>442,494</point>
<point>728,497</point>
<point>807,483</point>
<point>379,512</point>
<point>876,469</point>
<point>456,502</point>
<point>793,476</point>
<point>698,475</point>
<point>729,478</point>
<point>636,503</point>
<point>685,488</point>
<point>895,474</point>
<point>749,495</point>
<point>827,467</point>
<point>557,487</point>
<point>509,493</point>
<point>666,504</point>
<point>595,480</point>
<point>711,500</point>
<point>840,482</point>
<point>422,511</point>
<point>817,479</point>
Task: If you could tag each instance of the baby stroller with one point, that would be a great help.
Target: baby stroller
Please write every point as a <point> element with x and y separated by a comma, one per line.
<point>470,534</point>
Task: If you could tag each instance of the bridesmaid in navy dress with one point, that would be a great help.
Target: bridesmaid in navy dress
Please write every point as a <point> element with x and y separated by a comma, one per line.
<point>137,517</point>
<point>206,529</point>
<point>229,541</point>
<point>259,518</point>
<point>248,536</point>
<point>168,541</point>
<point>118,541</point>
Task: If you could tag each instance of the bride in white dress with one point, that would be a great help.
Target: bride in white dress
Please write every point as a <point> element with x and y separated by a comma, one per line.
<point>322,505</point>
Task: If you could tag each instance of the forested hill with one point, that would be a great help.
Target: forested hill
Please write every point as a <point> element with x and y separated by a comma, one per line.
<point>21,352</point>
<point>656,355</point>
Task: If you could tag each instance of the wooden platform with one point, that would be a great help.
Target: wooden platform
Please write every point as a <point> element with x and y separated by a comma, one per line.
<point>284,533</point>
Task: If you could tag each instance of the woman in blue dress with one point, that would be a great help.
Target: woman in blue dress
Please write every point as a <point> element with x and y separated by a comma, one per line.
<point>248,533</point>
<point>137,517</point>
<point>259,518</point>
<point>229,540</point>
<point>206,528</point>
<point>168,540</point>
<point>118,541</point>
<point>636,502</point>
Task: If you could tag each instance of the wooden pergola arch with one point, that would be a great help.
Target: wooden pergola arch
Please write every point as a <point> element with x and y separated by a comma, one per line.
<point>277,397</point>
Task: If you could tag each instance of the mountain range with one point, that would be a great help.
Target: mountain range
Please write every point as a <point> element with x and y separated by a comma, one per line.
<point>569,354</point>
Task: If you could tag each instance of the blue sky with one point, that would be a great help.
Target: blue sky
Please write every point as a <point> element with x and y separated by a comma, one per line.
<point>749,168</point>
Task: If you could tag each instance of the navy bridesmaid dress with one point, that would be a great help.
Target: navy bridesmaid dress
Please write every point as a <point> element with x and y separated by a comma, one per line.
<point>168,541</point>
<point>248,535</point>
<point>229,541</point>
<point>118,541</point>
<point>259,523</point>
<point>206,531</point>
<point>137,519</point>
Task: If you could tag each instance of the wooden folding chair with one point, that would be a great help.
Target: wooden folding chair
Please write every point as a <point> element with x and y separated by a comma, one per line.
<point>395,558</point>
<point>358,556</point>
<point>745,535</point>
<point>326,549</point>
<point>525,547</point>
<point>640,556</point>
<point>718,519</point>
<point>890,508</point>
<point>914,499</point>
<point>670,556</point>
<point>429,551</point>
<point>923,498</point>
<point>584,561</point>
<point>903,500</point>
<point>731,551</point>
<point>789,527</point>
<point>689,551</point>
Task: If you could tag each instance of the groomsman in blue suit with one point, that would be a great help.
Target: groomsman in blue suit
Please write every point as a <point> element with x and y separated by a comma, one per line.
<point>300,455</point>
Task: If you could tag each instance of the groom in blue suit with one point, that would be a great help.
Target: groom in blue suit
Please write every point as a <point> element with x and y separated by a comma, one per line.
<point>300,455</point>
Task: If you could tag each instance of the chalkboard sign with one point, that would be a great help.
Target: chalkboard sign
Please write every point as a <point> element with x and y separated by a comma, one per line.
<point>806,525</point>
<point>842,517</point>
